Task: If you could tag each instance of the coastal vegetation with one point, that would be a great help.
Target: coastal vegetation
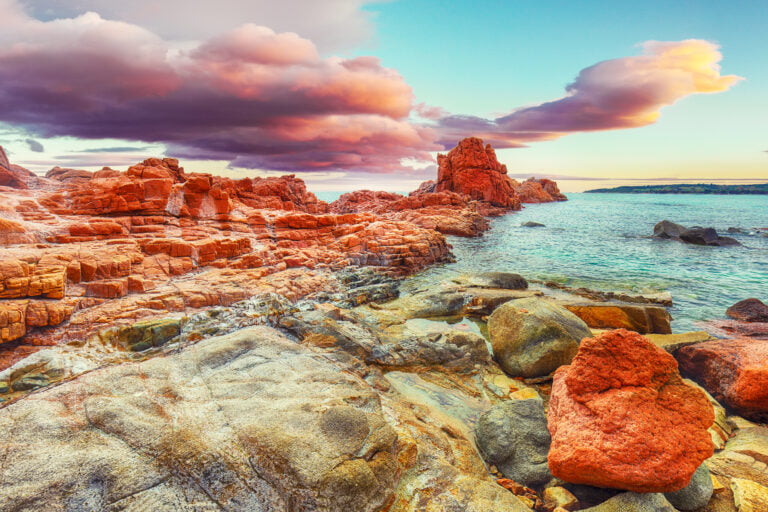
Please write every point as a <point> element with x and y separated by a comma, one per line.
<point>686,188</point>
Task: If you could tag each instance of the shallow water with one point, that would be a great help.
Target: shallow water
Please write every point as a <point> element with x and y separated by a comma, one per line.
<point>601,241</point>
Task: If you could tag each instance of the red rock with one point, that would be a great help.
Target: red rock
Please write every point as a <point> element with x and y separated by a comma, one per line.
<point>426,187</point>
<point>749,310</point>
<point>472,169</point>
<point>108,288</point>
<point>733,371</point>
<point>621,416</point>
<point>125,245</point>
<point>66,175</point>
<point>551,188</point>
<point>14,176</point>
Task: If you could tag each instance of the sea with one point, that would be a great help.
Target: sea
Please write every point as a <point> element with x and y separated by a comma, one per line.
<point>603,242</point>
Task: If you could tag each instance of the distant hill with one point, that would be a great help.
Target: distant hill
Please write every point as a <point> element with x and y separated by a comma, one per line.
<point>687,188</point>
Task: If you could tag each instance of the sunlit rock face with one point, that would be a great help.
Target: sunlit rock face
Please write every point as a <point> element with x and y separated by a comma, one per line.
<point>86,250</point>
<point>621,416</point>
<point>471,168</point>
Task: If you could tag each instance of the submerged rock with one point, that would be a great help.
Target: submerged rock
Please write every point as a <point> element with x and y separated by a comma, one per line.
<point>532,337</point>
<point>698,235</point>
<point>531,224</point>
<point>668,229</point>
<point>733,371</point>
<point>695,235</point>
<point>513,437</point>
<point>621,416</point>
<point>749,310</point>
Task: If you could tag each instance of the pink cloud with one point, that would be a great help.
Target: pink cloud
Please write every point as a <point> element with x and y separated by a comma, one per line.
<point>263,99</point>
<point>620,93</point>
<point>250,96</point>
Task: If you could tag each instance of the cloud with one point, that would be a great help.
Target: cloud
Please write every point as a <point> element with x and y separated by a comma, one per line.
<point>251,96</point>
<point>35,146</point>
<point>116,149</point>
<point>332,24</point>
<point>628,92</point>
<point>264,99</point>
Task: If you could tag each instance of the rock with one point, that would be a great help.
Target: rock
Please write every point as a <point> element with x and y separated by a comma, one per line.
<point>452,351</point>
<point>446,212</point>
<point>513,437</point>
<point>4,163</point>
<point>749,496</point>
<point>621,416</point>
<point>14,176</point>
<point>532,337</point>
<point>145,335</point>
<point>639,318</point>
<point>706,236</point>
<point>180,431</point>
<point>735,372</point>
<point>634,502</point>
<point>502,280</point>
<point>745,455</point>
<point>749,310</point>
<point>694,495</point>
<point>668,229</point>
<point>66,175</point>
<point>471,168</point>
<point>531,224</point>
<point>535,190</point>
<point>426,187</point>
<point>695,235</point>
<point>673,342</point>
<point>559,497</point>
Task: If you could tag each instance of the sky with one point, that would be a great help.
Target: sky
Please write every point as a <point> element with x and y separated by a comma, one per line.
<point>351,94</point>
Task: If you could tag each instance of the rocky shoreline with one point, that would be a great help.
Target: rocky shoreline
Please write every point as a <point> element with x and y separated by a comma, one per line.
<point>176,341</point>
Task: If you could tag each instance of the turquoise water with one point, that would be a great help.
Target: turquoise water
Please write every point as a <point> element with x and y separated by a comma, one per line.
<point>601,241</point>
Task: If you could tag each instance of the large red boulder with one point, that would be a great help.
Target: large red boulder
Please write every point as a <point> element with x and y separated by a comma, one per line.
<point>621,416</point>
<point>733,371</point>
<point>471,168</point>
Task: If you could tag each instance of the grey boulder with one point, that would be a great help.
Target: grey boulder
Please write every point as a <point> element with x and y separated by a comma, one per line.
<point>532,337</point>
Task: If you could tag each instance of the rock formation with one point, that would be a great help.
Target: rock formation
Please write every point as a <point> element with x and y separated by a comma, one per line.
<point>471,168</point>
<point>83,249</point>
<point>621,416</point>
<point>446,212</point>
<point>695,235</point>
<point>749,310</point>
<point>541,190</point>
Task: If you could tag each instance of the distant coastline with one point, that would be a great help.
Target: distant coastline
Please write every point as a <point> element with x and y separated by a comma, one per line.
<point>687,188</point>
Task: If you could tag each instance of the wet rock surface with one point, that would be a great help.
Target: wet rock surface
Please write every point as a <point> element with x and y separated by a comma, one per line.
<point>695,235</point>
